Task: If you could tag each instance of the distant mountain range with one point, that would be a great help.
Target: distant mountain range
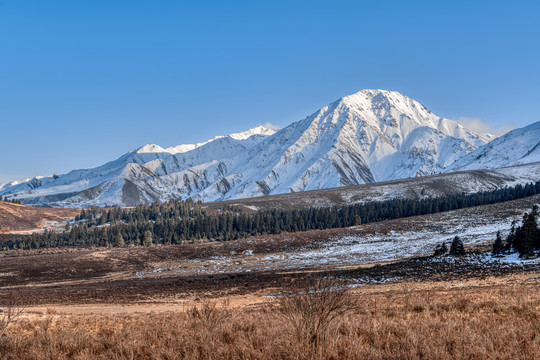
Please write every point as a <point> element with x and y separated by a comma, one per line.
<point>370,136</point>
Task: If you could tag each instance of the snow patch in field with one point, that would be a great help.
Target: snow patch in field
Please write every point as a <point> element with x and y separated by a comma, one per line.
<point>377,247</point>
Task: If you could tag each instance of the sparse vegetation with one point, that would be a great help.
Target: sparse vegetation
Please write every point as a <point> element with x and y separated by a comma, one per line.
<point>312,311</point>
<point>482,323</point>
<point>15,217</point>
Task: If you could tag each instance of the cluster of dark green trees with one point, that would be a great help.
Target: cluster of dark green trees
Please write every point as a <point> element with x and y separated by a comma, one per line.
<point>5,199</point>
<point>177,221</point>
<point>456,248</point>
<point>524,239</point>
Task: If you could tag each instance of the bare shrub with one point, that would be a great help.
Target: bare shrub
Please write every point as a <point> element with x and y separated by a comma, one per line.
<point>210,318</point>
<point>314,309</point>
<point>10,312</point>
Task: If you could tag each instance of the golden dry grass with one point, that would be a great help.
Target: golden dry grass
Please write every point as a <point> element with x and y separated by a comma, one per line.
<point>14,217</point>
<point>497,322</point>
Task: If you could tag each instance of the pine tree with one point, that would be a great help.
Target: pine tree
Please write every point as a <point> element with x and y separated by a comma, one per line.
<point>120,240</point>
<point>528,233</point>
<point>498,245</point>
<point>511,236</point>
<point>104,238</point>
<point>457,248</point>
<point>440,249</point>
<point>147,238</point>
<point>444,248</point>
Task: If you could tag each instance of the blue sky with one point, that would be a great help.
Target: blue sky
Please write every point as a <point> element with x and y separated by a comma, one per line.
<point>82,82</point>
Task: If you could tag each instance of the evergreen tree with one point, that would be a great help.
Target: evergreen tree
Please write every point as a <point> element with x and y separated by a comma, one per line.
<point>441,249</point>
<point>147,238</point>
<point>444,248</point>
<point>498,244</point>
<point>457,248</point>
<point>528,233</point>
<point>104,238</point>
<point>511,236</point>
<point>120,240</point>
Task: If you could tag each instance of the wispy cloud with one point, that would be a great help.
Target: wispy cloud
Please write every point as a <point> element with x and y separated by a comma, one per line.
<point>269,125</point>
<point>480,126</point>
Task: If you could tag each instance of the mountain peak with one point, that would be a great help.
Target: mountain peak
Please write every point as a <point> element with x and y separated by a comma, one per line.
<point>387,108</point>
<point>380,96</point>
<point>149,148</point>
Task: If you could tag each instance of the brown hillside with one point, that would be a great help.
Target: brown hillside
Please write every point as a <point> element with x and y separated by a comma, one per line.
<point>15,217</point>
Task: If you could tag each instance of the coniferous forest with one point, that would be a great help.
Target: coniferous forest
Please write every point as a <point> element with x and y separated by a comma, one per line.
<point>525,239</point>
<point>178,221</point>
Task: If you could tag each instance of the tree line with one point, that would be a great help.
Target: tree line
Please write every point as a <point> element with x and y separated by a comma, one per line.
<point>13,201</point>
<point>179,221</point>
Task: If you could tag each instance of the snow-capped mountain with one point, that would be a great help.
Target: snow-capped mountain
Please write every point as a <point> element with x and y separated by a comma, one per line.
<point>519,146</point>
<point>373,135</point>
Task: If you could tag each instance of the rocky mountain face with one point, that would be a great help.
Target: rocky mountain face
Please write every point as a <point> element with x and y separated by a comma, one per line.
<point>370,136</point>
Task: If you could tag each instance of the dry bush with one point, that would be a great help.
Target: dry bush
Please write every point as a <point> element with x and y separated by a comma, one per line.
<point>10,311</point>
<point>312,310</point>
<point>210,319</point>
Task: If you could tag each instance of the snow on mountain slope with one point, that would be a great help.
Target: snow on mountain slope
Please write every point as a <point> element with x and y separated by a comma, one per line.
<point>122,181</point>
<point>251,137</point>
<point>373,135</point>
<point>520,146</point>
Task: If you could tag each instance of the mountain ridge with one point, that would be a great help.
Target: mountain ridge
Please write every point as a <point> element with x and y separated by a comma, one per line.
<point>365,137</point>
<point>516,147</point>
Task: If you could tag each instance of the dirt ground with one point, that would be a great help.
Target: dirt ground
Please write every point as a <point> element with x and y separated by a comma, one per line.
<point>16,218</point>
<point>91,277</point>
<point>253,298</point>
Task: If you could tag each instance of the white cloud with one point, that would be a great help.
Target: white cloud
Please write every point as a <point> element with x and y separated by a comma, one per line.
<point>269,125</point>
<point>479,126</point>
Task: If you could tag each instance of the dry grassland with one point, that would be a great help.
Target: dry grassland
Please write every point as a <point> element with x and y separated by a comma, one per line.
<point>501,321</point>
<point>20,218</point>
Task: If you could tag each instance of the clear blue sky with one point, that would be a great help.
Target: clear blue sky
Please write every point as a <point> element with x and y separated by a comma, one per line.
<point>82,82</point>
